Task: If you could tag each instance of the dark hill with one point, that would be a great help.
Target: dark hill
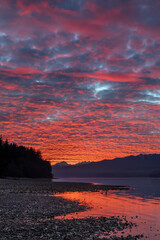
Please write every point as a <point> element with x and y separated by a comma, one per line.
<point>19,161</point>
<point>131,166</point>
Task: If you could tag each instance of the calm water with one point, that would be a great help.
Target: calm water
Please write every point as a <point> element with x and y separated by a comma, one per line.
<point>140,204</point>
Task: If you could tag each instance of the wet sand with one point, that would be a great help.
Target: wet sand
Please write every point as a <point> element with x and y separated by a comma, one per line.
<point>28,211</point>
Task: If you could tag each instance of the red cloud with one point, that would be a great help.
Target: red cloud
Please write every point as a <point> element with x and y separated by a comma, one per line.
<point>101,75</point>
<point>51,59</point>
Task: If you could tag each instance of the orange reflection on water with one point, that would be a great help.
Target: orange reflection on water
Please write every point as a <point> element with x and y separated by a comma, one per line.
<point>108,204</point>
<point>145,212</point>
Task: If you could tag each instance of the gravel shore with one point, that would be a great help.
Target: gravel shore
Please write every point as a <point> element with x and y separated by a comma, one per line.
<point>27,212</point>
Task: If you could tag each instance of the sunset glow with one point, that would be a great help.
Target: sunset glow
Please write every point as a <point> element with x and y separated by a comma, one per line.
<point>80,80</point>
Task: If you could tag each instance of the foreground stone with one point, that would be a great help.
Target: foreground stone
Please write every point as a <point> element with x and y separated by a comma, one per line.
<point>28,212</point>
<point>77,229</point>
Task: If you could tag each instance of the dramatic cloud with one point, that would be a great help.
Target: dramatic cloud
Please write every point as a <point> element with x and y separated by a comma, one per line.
<point>80,80</point>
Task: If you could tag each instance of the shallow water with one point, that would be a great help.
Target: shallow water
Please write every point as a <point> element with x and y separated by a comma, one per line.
<point>141,204</point>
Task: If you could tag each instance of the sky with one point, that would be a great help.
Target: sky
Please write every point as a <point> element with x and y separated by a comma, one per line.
<point>80,79</point>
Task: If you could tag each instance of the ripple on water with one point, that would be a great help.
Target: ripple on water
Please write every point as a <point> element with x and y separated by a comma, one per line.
<point>144,212</point>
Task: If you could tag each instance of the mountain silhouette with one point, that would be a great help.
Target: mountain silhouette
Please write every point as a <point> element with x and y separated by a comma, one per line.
<point>130,166</point>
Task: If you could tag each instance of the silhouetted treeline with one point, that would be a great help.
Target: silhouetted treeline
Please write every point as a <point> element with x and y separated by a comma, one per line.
<point>20,161</point>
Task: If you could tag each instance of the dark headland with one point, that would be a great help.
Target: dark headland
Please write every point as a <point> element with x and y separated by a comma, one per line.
<point>22,162</point>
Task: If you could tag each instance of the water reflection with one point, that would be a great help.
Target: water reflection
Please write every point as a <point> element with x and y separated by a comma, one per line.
<point>145,212</point>
<point>143,187</point>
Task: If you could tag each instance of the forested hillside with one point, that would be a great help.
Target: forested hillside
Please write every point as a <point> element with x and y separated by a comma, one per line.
<point>20,161</point>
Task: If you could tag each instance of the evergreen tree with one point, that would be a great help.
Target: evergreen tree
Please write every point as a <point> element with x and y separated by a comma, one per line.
<point>20,161</point>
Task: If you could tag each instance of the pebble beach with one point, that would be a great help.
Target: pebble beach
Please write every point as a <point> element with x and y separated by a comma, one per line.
<point>28,209</point>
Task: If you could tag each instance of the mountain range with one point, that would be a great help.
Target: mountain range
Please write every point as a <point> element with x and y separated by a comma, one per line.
<point>130,166</point>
